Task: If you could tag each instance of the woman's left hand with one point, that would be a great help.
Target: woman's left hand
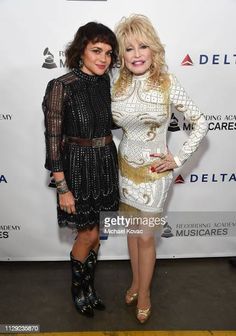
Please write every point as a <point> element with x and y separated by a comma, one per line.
<point>165,163</point>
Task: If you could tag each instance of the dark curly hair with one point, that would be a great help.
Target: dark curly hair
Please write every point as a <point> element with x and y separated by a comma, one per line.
<point>91,32</point>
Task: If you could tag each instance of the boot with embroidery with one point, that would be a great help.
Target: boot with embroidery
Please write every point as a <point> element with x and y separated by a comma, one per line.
<point>92,296</point>
<point>79,288</point>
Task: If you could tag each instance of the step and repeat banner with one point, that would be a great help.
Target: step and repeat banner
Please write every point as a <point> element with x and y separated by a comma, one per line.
<point>199,37</point>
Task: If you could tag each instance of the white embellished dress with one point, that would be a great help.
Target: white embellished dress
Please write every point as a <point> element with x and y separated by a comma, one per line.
<point>144,117</point>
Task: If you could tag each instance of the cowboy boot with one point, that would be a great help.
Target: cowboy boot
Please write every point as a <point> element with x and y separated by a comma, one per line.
<point>78,288</point>
<point>94,299</point>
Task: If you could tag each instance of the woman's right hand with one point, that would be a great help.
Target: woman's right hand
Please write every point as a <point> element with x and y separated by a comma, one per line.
<point>67,202</point>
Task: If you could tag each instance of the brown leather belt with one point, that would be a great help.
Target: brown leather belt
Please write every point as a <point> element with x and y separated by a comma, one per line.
<point>95,142</point>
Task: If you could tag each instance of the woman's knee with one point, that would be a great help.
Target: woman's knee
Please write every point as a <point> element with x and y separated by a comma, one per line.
<point>88,237</point>
<point>146,241</point>
<point>83,238</point>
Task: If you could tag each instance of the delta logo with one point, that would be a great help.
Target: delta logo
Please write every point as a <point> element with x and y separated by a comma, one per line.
<point>212,59</point>
<point>179,179</point>
<point>208,178</point>
<point>187,61</point>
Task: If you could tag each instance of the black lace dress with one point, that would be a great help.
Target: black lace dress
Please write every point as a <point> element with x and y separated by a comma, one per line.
<point>79,105</point>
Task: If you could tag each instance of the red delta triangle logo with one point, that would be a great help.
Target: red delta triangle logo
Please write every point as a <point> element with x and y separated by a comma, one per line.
<point>179,179</point>
<point>187,60</point>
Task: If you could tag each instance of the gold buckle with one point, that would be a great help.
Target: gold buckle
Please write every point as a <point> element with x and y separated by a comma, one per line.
<point>98,142</point>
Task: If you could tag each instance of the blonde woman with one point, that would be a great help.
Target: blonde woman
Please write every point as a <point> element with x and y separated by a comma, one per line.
<point>141,101</point>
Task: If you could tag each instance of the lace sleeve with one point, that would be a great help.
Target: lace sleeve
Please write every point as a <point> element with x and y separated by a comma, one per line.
<point>184,104</point>
<point>53,112</point>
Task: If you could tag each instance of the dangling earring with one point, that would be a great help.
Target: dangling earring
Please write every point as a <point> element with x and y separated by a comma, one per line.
<point>81,63</point>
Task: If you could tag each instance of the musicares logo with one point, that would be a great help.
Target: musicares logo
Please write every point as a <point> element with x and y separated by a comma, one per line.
<point>187,60</point>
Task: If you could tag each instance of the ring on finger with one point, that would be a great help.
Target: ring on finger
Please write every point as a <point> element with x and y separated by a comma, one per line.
<point>162,156</point>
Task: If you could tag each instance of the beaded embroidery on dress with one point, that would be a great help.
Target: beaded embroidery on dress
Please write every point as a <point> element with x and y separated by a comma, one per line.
<point>78,105</point>
<point>144,115</point>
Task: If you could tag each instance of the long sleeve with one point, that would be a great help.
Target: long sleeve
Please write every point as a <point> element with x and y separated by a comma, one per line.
<point>184,104</point>
<point>53,111</point>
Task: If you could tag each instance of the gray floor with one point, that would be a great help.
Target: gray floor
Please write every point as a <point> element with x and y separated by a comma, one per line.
<point>186,294</point>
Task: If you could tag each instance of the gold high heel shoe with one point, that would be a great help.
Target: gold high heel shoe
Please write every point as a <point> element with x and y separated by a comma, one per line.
<point>130,298</point>
<point>144,314</point>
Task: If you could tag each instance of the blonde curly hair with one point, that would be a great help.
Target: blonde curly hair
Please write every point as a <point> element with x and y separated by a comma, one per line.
<point>139,27</point>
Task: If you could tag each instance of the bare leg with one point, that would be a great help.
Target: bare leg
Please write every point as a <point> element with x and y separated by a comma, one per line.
<point>133,252</point>
<point>132,242</point>
<point>85,241</point>
<point>96,240</point>
<point>146,263</point>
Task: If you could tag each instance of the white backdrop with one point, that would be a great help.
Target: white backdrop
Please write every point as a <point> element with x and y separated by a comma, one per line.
<point>201,210</point>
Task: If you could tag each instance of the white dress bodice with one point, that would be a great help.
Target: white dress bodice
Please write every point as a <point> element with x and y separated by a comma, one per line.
<point>144,116</point>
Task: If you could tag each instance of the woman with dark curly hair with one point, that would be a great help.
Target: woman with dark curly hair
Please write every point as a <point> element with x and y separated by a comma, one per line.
<point>80,151</point>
